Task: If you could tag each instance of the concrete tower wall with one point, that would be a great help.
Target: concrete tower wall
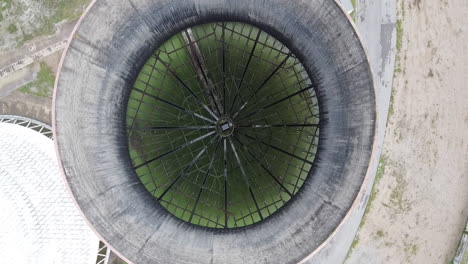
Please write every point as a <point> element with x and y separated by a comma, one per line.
<point>107,50</point>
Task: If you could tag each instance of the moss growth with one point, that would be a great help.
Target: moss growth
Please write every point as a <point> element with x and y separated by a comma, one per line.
<point>43,84</point>
<point>353,14</point>
<point>397,197</point>
<point>399,44</point>
<point>380,233</point>
<point>353,246</point>
<point>391,109</point>
<point>375,190</point>
<point>5,4</point>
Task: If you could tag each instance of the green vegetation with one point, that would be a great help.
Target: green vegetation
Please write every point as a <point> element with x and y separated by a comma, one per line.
<point>353,246</point>
<point>399,37</point>
<point>397,197</point>
<point>391,109</point>
<point>63,10</point>
<point>410,249</point>
<point>5,4</point>
<point>398,191</point>
<point>40,24</point>
<point>380,233</point>
<point>353,14</point>
<point>43,84</point>
<point>12,28</point>
<point>375,190</point>
<point>399,44</point>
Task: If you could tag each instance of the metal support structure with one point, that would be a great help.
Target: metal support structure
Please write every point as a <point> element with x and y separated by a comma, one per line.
<point>223,82</point>
<point>46,130</point>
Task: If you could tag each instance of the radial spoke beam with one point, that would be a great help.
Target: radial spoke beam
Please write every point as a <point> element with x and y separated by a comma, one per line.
<point>176,149</point>
<point>185,171</point>
<point>204,181</point>
<point>276,148</point>
<point>224,68</point>
<point>186,87</point>
<point>225,184</point>
<point>246,179</point>
<point>199,66</point>
<point>278,125</point>
<point>264,167</point>
<point>245,70</point>
<point>277,102</point>
<point>173,128</point>
<point>263,84</point>
<point>174,105</point>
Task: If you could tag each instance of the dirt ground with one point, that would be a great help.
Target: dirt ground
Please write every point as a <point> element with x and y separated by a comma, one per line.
<point>22,104</point>
<point>421,201</point>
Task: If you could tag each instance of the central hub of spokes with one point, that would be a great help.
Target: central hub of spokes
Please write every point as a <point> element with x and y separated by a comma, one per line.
<point>224,127</point>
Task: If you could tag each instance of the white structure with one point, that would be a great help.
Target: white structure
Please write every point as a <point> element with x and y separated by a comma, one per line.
<point>39,223</point>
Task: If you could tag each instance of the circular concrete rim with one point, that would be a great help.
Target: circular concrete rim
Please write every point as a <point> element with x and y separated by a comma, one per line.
<point>97,73</point>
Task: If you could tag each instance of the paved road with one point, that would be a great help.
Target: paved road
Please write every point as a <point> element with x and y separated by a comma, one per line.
<point>376,23</point>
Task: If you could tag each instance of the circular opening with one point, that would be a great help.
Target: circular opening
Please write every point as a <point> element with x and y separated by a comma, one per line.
<point>223,125</point>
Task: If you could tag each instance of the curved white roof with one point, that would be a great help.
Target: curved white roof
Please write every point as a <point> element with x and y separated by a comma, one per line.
<point>39,223</point>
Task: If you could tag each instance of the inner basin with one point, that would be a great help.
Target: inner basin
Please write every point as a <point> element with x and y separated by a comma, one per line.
<point>223,125</point>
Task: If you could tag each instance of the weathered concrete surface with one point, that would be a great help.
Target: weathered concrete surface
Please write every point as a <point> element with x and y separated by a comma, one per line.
<point>109,47</point>
<point>376,22</point>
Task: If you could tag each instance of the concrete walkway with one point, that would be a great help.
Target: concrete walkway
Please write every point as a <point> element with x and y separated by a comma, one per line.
<point>376,23</point>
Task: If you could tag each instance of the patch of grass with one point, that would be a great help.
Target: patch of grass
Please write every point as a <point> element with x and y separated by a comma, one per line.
<point>353,246</point>
<point>12,28</point>
<point>353,14</point>
<point>5,4</point>
<point>410,249</point>
<point>64,10</point>
<point>397,199</point>
<point>391,109</point>
<point>380,233</point>
<point>378,177</point>
<point>43,84</point>
<point>58,11</point>
<point>399,37</point>
<point>399,44</point>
